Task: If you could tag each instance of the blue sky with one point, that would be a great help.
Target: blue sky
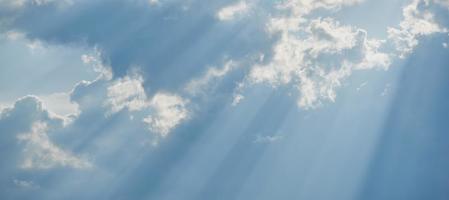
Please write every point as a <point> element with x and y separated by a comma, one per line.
<point>239,99</point>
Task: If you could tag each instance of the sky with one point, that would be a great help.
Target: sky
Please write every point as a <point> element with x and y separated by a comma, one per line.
<point>224,99</point>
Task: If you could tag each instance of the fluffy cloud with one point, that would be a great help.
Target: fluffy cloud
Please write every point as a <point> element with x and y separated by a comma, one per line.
<point>418,21</point>
<point>167,65</point>
<point>161,112</point>
<point>98,66</point>
<point>26,125</point>
<point>126,92</point>
<point>168,111</point>
<point>315,56</point>
<point>232,11</point>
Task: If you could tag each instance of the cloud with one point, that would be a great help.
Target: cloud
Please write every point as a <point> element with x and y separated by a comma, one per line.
<point>317,62</point>
<point>232,11</point>
<point>213,74</point>
<point>267,139</point>
<point>237,99</point>
<point>168,111</point>
<point>127,92</point>
<point>187,40</point>
<point>161,112</point>
<point>312,55</point>
<point>60,104</point>
<point>418,20</point>
<point>41,153</point>
<point>315,55</point>
<point>304,7</point>
<point>25,184</point>
<point>98,66</point>
<point>26,125</point>
<point>186,44</point>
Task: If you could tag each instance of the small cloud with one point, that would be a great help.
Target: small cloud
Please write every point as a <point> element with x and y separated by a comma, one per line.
<point>445,45</point>
<point>203,83</point>
<point>35,46</point>
<point>95,61</point>
<point>361,86</point>
<point>237,99</point>
<point>169,111</point>
<point>267,139</point>
<point>24,184</point>
<point>417,22</point>
<point>127,92</point>
<point>14,35</point>
<point>386,90</point>
<point>230,12</point>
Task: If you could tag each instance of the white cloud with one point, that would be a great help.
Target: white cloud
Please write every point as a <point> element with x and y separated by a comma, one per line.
<point>316,56</point>
<point>199,85</point>
<point>127,92</point>
<point>41,153</point>
<point>60,104</point>
<point>94,59</point>
<point>4,105</point>
<point>168,111</point>
<point>232,11</point>
<point>418,21</point>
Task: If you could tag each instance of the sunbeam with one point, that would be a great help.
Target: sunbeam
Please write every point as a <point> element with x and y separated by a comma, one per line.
<point>236,99</point>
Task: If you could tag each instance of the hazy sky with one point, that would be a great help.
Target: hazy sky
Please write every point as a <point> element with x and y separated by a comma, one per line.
<point>218,99</point>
